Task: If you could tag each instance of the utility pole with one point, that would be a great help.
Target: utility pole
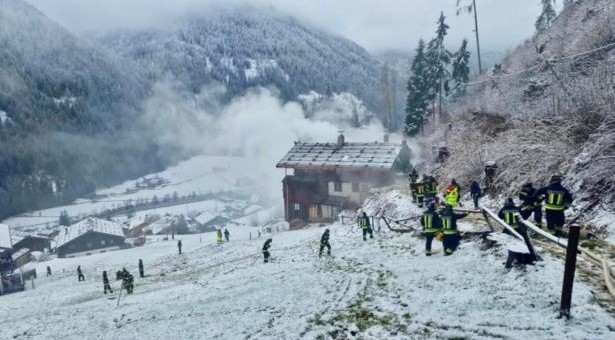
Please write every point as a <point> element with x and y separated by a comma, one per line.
<point>480,66</point>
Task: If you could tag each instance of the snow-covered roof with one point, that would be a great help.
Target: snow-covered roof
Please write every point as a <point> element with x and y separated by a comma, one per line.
<point>375,155</point>
<point>204,217</point>
<point>5,236</point>
<point>68,234</point>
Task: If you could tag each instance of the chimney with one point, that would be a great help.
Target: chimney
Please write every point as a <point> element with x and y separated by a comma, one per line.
<point>386,137</point>
<point>340,140</point>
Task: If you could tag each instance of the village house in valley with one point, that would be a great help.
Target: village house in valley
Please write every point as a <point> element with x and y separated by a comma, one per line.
<point>90,236</point>
<point>328,177</point>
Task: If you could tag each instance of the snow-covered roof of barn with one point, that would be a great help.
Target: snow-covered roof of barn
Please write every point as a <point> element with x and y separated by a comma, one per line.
<point>374,155</point>
<point>70,233</point>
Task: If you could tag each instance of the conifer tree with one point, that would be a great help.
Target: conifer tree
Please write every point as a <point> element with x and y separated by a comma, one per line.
<point>438,59</point>
<point>546,16</point>
<point>461,69</point>
<point>419,92</point>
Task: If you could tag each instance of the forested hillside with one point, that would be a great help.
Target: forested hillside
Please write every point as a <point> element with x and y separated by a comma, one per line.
<point>245,47</point>
<point>546,109</point>
<point>66,110</point>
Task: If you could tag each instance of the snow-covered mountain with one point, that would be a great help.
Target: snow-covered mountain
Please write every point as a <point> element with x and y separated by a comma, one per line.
<point>65,110</point>
<point>245,47</point>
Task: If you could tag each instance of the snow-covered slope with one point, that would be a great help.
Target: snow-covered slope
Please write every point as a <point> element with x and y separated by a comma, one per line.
<point>383,288</point>
<point>242,47</point>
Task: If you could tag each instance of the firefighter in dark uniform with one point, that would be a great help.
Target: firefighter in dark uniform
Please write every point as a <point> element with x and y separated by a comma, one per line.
<point>510,214</point>
<point>179,246</point>
<point>106,285</point>
<point>127,281</point>
<point>556,199</point>
<point>324,242</point>
<point>227,234</point>
<point>431,225</point>
<point>365,226</point>
<point>141,271</point>
<point>80,274</point>
<point>266,247</point>
<point>431,188</point>
<point>530,204</point>
<point>451,236</point>
<point>420,192</point>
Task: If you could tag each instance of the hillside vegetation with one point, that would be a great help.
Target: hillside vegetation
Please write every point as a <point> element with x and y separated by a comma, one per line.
<point>547,109</point>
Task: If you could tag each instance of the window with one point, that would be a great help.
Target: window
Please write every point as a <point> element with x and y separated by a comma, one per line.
<point>319,211</point>
<point>89,245</point>
<point>297,206</point>
<point>111,241</point>
<point>355,187</point>
<point>102,243</point>
<point>337,186</point>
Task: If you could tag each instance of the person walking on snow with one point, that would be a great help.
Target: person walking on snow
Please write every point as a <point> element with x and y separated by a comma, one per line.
<point>420,192</point>
<point>80,274</point>
<point>452,194</point>
<point>530,204</point>
<point>365,226</point>
<point>432,224</point>
<point>450,233</point>
<point>106,285</point>
<point>48,271</point>
<point>227,234</point>
<point>179,246</point>
<point>475,192</point>
<point>141,271</point>
<point>218,237</point>
<point>557,200</point>
<point>324,242</point>
<point>266,247</point>
<point>510,214</point>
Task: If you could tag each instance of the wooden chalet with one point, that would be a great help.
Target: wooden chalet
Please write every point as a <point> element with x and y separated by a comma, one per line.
<point>88,237</point>
<point>329,177</point>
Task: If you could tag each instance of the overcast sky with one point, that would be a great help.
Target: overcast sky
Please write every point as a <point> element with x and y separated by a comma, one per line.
<point>377,25</point>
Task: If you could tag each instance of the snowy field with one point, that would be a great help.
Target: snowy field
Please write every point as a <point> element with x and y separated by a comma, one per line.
<point>385,288</point>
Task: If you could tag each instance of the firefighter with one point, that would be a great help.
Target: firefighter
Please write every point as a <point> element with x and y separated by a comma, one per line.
<point>179,246</point>
<point>475,192</point>
<point>266,247</point>
<point>141,271</point>
<point>218,237</point>
<point>420,192</point>
<point>431,187</point>
<point>106,285</point>
<point>510,214</point>
<point>80,274</point>
<point>227,234</point>
<point>451,195</point>
<point>128,281</point>
<point>449,229</point>
<point>365,226</point>
<point>530,204</point>
<point>324,242</point>
<point>431,225</point>
<point>48,271</point>
<point>557,199</point>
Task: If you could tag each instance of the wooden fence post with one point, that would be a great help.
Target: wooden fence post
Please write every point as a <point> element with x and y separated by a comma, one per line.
<point>569,268</point>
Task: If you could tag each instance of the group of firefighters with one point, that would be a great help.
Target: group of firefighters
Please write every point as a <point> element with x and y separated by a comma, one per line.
<point>443,224</point>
